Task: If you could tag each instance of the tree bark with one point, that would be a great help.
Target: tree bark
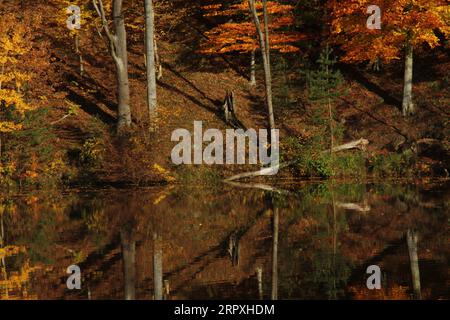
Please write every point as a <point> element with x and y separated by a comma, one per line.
<point>408,107</point>
<point>122,66</point>
<point>264,43</point>
<point>253,68</point>
<point>80,55</point>
<point>118,51</point>
<point>159,69</point>
<point>151,58</point>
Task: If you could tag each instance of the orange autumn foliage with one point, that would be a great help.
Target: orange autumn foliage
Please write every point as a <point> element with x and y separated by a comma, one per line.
<point>239,34</point>
<point>401,21</point>
<point>392,293</point>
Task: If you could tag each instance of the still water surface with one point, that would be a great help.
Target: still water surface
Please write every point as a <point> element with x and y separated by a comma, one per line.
<point>302,241</point>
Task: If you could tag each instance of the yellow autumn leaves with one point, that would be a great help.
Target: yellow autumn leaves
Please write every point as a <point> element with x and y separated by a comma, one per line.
<point>13,45</point>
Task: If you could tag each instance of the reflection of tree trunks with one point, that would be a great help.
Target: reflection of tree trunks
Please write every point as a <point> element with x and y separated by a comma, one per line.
<point>3,261</point>
<point>411,239</point>
<point>129,264</point>
<point>2,230</point>
<point>333,204</point>
<point>157,267</point>
<point>166,290</point>
<point>275,255</point>
<point>259,275</point>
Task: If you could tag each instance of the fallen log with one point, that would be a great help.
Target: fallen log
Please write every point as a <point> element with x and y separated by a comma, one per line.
<point>353,206</point>
<point>360,144</point>
<point>262,172</point>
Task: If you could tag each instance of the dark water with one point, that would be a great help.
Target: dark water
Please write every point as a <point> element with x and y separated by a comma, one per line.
<point>303,241</point>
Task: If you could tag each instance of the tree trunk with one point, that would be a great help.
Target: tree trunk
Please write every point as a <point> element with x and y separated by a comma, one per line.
<point>159,69</point>
<point>150,56</point>
<point>264,43</point>
<point>253,68</point>
<point>124,111</point>
<point>118,50</point>
<point>80,55</point>
<point>408,107</point>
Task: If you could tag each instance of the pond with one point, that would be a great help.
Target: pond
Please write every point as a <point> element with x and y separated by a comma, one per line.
<point>296,241</point>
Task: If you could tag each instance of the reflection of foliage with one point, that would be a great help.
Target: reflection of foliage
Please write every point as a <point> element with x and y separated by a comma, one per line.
<point>331,273</point>
<point>391,293</point>
<point>15,284</point>
<point>39,246</point>
<point>10,251</point>
<point>96,220</point>
<point>94,216</point>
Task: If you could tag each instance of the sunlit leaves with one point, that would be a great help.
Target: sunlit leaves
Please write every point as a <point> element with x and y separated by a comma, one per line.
<point>14,43</point>
<point>239,34</point>
<point>416,21</point>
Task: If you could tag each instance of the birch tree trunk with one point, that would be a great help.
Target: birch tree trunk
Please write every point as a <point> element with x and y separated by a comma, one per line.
<point>408,107</point>
<point>159,71</point>
<point>253,68</point>
<point>118,50</point>
<point>80,55</point>
<point>264,43</point>
<point>150,56</point>
<point>122,66</point>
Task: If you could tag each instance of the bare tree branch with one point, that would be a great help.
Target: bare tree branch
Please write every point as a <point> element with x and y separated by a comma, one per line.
<point>111,37</point>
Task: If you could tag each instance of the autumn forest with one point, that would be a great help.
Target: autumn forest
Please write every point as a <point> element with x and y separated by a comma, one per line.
<point>212,149</point>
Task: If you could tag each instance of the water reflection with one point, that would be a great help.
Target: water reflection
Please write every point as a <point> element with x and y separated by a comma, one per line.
<point>157,267</point>
<point>129,263</point>
<point>310,241</point>
<point>411,237</point>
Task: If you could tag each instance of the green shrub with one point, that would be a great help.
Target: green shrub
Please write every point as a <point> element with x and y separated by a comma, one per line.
<point>91,153</point>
